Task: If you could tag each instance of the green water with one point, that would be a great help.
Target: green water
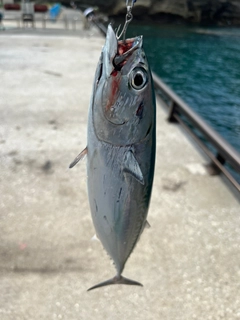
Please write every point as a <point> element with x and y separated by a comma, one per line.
<point>202,65</point>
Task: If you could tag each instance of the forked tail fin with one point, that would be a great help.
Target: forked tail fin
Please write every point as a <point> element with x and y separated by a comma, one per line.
<point>116,280</point>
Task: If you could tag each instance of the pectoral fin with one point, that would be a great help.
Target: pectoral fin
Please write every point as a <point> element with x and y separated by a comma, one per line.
<point>78,158</point>
<point>95,238</point>
<point>132,167</point>
<point>147,225</point>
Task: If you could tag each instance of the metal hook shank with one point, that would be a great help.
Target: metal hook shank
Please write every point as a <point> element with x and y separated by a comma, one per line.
<point>129,17</point>
<point>133,1</point>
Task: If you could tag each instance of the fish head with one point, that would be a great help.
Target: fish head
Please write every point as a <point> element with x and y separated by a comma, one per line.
<point>123,98</point>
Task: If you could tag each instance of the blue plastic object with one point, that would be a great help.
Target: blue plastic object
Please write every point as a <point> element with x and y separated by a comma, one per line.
<point>55,11</point>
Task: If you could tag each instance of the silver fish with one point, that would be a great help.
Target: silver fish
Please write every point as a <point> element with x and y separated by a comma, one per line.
<point>120,149</point>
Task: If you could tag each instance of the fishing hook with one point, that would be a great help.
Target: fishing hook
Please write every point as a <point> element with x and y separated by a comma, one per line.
<point>129,18</point>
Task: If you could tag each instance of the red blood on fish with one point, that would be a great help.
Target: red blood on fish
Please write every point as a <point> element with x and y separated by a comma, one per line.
<point>139,112</point>
<point>114,73</point>
<point>114,89</point>
<point>123,47</point>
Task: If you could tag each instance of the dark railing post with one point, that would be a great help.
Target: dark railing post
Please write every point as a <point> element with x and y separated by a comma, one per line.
<point>173,108</point>
<point>74,23</point>
<point>44,19</point>
<point>66,22</point>
<point>212,168</point>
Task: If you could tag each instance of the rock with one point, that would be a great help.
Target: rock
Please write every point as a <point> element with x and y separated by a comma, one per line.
<point>223,12</point>
<point>231,14</point>
<point>179,8</point>
<point>140,8</point>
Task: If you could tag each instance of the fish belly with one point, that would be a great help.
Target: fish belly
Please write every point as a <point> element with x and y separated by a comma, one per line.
<point>118,202</point>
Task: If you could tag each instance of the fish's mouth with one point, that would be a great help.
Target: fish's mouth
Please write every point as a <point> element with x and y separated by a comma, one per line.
<point>125,49</point>
<point>116,52</point>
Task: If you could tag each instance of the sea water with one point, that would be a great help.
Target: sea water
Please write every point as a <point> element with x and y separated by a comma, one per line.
<point>202,65</point>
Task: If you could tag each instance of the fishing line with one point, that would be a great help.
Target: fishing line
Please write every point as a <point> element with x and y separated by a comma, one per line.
<point>129,18</point>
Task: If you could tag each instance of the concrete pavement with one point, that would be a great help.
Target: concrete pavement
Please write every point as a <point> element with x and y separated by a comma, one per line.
<point>188,261</point>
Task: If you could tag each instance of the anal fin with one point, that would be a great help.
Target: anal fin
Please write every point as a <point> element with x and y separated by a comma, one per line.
<point>81,155</point>
<point>95,238</point>
<point>147,225</point>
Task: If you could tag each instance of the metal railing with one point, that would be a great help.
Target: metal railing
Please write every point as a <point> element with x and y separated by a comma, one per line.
<point>101,27</point>
<point>225,153</point>
<point>43,21</point>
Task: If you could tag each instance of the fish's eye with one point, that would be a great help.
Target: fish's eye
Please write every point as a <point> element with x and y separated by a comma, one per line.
<point>138,78</point>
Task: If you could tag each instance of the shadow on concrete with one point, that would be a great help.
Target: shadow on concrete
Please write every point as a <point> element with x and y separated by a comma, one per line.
<point>23,259</point>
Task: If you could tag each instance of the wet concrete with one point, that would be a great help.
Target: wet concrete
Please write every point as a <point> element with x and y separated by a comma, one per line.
<point>188,260</point>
